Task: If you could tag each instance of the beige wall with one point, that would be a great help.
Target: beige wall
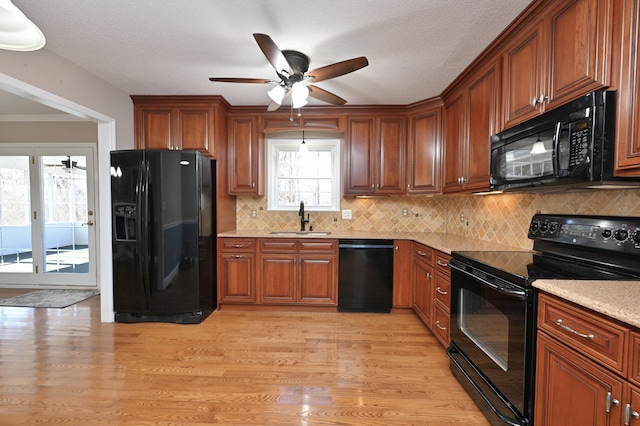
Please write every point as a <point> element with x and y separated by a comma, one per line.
<point>83,131</point>
<point>502,218</point>
<point>46,71</point>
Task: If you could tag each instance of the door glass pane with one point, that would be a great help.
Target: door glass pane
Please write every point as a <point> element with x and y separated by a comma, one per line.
<point>15,217</point>
<point>66,219</point>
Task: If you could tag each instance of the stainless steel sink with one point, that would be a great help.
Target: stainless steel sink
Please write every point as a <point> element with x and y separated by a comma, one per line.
<point>298,233</point>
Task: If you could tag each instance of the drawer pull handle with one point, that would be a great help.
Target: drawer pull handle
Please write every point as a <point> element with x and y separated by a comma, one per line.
<point>439,326</point>
<point>441,263</point>
<point>444,293</point>
<point>421,253</point>
<point>237,256</point>
<point>628,413</point>
<point>609,401</point>
<point>571,330</point>
<point>237,245</point>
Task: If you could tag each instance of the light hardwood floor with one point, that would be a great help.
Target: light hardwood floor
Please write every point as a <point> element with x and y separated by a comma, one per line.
<point>64,366</point>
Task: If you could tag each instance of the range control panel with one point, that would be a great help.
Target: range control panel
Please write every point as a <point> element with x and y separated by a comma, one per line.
<point>616,233</point>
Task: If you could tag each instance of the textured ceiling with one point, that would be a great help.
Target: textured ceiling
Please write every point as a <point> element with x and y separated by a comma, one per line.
<point>415,48</point>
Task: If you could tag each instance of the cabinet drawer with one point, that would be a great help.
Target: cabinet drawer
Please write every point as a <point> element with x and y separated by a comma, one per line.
<point>278,245</point>
<point>588,332</point>
<point>423,253</point>
<point>441,292</point>
<point>441,325</point>
<point>442,263</point>
<point>237,245</point>
<point>319,246</point>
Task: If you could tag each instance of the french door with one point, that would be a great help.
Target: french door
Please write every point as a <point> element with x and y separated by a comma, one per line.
<point>47,216</point>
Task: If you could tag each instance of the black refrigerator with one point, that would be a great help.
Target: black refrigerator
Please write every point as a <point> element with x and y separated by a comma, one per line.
<point>163,213</point>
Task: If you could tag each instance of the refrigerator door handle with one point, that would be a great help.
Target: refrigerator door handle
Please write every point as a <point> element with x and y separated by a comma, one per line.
<point>143,226</point>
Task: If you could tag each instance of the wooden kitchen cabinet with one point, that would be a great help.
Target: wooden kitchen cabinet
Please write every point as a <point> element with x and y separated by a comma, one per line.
<point>572,389</point>
<point>442,298</point>
<point>190,123</point>
<point>236,271</point>
<point>471,117</point>
<point>374,155</point>
<point>402,269</point>
<point>424,148</point>
<point>587,367</point>
<point>423,283</point>
<point>298,271</point>
<point>245,156</point>
<point>628,109</point>
<point>559,55</point>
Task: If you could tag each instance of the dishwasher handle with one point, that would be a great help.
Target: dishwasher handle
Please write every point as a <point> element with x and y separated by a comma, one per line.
<point>365,246</point>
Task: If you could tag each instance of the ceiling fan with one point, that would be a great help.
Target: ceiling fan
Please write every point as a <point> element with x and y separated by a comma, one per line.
<point>295,80</point>
<point>67,164</point>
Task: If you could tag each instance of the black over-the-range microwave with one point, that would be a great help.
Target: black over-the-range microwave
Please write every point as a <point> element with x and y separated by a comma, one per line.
<point>569,146</point>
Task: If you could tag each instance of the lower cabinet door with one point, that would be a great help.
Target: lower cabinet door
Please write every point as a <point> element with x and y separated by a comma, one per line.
<point>277,278</point>
<point>572,390</point>
<point>237,278</point>
<point>318,279</point>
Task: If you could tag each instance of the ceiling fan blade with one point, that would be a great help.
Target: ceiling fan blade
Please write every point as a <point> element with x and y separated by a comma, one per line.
<point>273,106</point>
<point>325,96</point>
<point>242,80</point>
<point>337,69</point>
<point>273,53</point>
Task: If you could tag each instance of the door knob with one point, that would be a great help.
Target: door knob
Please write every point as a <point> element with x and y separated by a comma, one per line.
<point>90,223</point>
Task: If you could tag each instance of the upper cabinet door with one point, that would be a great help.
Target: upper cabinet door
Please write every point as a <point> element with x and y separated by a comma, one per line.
<point>628,108</point>
<point>245,157</point>
<point>391,155</point>
<point>579,46</point>
<point>153,127</point>
<point>424,151</point>
<point>359,156</point>
<point>560,56</point>
<point>194,128</point>
<point>523,79</point>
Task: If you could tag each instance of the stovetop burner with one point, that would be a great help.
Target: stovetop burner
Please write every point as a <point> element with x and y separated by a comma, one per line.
<point>568,247</point>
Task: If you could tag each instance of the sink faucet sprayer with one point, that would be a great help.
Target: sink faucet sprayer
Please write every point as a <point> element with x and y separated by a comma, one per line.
<point>302,219</point>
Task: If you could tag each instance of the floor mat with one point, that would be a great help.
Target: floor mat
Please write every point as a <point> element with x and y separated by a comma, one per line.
<point>49,298</point>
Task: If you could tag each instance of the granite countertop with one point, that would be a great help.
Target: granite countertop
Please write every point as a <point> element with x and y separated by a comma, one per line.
<point>616,299</point>
<point>441,241</point>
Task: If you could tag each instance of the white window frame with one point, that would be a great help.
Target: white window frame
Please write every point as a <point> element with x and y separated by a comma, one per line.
<point>275,144</point>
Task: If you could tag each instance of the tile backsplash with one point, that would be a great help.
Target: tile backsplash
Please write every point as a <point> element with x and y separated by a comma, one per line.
<point>501,218</point>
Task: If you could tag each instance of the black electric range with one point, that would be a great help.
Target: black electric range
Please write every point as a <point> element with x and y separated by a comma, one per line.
<point>568,247</point>
<point>494,304</point>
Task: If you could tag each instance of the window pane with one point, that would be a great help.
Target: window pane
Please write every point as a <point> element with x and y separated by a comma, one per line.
<point>312,177</point>
<point>15,215</point>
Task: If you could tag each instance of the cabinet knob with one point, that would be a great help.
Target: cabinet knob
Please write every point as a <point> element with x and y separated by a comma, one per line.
<point>609,401</point>
<point>628,414</point>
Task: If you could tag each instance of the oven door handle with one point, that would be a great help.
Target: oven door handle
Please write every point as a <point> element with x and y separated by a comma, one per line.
<point>505,288</point>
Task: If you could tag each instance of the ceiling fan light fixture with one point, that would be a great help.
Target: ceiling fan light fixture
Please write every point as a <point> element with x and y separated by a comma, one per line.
<point>538,148</point>
<point>17,32</point>
<point>299,94</point>
<point>277,94</point>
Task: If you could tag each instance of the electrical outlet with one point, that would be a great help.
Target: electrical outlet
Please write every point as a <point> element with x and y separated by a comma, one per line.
<point>254,214</point>
<point>346,214</point>
<point>405,212</point>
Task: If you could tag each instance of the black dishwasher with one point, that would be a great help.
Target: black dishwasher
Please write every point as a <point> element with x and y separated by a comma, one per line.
<point>365,281</point>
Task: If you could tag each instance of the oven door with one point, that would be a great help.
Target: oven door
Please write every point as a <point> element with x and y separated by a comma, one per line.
<point>492,342</point>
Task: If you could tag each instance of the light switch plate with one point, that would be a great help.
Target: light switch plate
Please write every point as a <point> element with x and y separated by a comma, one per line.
<point>346,214</point>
